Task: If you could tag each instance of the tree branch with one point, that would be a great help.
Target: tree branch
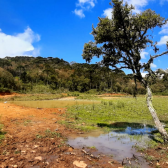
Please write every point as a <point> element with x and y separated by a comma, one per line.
<point>153,57</point>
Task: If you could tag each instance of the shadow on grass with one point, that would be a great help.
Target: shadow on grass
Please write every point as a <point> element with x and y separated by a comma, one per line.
<point>134,129</point>
<point>123,125</point>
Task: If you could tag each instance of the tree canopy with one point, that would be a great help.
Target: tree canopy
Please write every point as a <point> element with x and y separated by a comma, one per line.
<point>120,40</point>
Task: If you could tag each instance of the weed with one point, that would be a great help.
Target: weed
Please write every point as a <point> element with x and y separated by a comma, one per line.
<point>92,147</point>
<point>139,148</point>
<point>4,152</point>
<point>49,134</point>
<point>2,133</point>
<point>17,152</point>
<point>39,136</point>
<point>27,122</point>
<point>149,158</point>
<point>110,103</point>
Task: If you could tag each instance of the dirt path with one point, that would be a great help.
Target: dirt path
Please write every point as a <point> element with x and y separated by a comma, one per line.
<point>35,139</point>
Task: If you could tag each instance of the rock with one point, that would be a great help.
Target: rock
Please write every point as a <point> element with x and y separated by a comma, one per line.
<point>39,158</point>
<point>167,163</point>
<point>110,163</point>
<point>80,164</point>
<point>36,146</point>
<point>157,164</point>
<point>11,158</point>
<point>15,166</point>
<point>47,163</point>
<point>70,149</point>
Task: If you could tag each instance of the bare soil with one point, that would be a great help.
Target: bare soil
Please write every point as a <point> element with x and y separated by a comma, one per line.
<point>158,156</point>
<point>34,138</point>
<point>112,95</point>
<point>5,94</point>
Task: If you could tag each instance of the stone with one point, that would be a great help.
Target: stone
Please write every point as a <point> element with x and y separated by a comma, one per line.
<point>36,146</point>
<point>70,149</point>
<point>80,164</point>
<point>157,164</point>
<point>39,158</point>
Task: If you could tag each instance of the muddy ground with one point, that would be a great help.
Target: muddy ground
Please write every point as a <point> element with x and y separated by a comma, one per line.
<point>34,138</point>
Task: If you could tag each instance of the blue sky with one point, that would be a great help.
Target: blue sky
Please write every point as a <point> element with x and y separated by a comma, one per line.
<point>60,28</point>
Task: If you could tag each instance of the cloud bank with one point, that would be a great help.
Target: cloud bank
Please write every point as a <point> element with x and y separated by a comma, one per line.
<point>19,44</point>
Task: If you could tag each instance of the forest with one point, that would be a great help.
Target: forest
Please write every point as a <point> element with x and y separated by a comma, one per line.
<point>25,74</point>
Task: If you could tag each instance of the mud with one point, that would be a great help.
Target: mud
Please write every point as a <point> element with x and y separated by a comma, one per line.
<point>119,144</point>
<point>34,138</point>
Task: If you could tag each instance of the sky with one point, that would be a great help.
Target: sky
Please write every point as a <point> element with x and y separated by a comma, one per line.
<point>55,28</point>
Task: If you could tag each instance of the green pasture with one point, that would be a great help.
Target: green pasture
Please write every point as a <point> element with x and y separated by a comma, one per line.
<point>126,110</point>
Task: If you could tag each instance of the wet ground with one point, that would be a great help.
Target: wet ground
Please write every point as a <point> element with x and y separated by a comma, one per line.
<point>118,144</point>
<point>34,138</point>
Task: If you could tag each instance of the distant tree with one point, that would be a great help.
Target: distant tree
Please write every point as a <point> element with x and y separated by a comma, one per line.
<point>48,70</point>
<point>120,41</point>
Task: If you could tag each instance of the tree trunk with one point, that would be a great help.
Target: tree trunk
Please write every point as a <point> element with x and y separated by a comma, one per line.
<point>157,122</point>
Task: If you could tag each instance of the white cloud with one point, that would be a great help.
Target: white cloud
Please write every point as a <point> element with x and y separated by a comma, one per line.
<point>153,65</point>
<point>19,44</point>
<point>108,13</point>
<point>143,74</point>
<point>163,40</point>
<point>79,13</point>
<point>84,5</point>
<point>143,54</point>
<point>164,29</point>
<point>138,4</point>
<point>89,2</point>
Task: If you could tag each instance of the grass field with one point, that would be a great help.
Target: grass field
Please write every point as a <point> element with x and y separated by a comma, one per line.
<point>126,110</point>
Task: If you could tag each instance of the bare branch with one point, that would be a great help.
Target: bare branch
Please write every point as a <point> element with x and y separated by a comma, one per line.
<point>153,57</point>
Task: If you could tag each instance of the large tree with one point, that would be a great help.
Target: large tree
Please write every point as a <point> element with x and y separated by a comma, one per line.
<point>120,41</point>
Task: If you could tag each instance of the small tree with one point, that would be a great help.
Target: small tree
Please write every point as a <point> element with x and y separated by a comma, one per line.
<point>120,41</point>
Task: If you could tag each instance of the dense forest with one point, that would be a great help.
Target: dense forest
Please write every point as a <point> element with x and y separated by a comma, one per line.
<point>42,75</point>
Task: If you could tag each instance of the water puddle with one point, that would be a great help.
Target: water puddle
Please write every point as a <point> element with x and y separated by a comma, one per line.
<point>117,143</point>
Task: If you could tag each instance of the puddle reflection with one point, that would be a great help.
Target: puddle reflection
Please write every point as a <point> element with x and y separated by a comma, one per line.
<point>118,143</point>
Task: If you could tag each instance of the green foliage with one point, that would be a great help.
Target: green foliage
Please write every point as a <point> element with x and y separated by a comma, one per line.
<point>126,110</point>
<point>49,134</point>
<point>121,39</point>
<point>44,76</point>
<point>2,133</point>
